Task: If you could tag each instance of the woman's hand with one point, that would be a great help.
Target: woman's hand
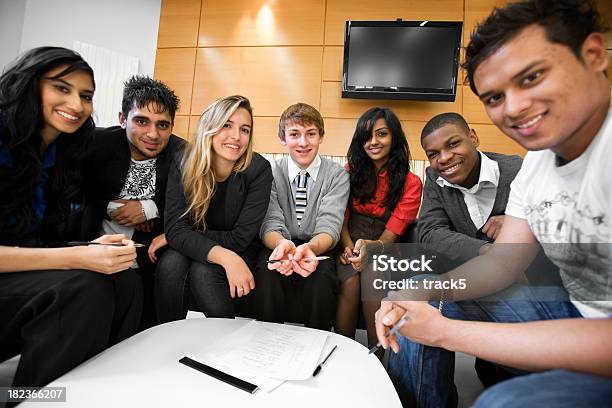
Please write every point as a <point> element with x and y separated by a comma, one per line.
<point>104,258</point>
<point>157,243</point>
<point>359,253</point>
<point>239,276</point>
<point>349,252</point>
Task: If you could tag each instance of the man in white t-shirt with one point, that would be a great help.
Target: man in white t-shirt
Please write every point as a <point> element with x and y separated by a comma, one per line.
<point>539,69</point>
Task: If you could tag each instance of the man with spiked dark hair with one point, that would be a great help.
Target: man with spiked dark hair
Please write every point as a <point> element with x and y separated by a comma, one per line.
<point>126,175</point>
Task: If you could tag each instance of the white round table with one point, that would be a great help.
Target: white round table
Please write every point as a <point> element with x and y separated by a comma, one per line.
<point>143,371</point>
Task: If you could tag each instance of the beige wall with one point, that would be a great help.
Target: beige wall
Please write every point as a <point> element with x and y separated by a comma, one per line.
<point>278,52</point>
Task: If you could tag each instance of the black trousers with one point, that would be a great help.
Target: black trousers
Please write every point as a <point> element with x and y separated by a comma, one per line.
<point>311,300</point>
<point>58,319</point>
<point>181,284</point>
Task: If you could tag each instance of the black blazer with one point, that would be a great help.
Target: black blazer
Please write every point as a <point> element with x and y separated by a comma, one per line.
<point>104,175</point>
<point>248,196</point>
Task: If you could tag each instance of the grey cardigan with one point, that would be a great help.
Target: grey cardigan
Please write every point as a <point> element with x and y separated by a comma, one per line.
<point>444,221</point>
<point>327,200</point>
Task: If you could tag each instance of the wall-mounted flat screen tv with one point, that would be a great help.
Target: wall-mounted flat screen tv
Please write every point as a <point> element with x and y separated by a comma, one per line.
<point>401,60</point>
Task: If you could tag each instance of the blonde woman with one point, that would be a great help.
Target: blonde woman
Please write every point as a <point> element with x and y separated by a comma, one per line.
<point>217,197</point>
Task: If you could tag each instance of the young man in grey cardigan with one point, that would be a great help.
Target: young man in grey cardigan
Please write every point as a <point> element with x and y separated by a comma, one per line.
<point>304,220</point>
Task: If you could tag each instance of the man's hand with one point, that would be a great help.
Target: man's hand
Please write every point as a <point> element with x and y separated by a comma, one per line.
<point>300,263</point>
<point>157,243</point>
<point>129,214</point>
<point>425,324</point>
<point>284,248</point>
<point>493,226</point>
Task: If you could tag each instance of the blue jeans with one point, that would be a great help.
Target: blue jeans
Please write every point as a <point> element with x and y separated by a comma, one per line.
<point>423,375</point>
<point>557,388</point>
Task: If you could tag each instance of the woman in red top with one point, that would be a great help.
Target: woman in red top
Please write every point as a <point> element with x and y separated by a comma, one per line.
<point>385,198</point>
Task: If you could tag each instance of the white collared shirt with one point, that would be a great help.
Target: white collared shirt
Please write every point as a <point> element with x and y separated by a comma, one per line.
<point>313,171</point>
<point>480,198</point>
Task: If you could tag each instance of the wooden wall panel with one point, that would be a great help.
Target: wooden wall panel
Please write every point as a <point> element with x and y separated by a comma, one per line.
<point>278,52</point>
<point>605,9</point>
<point>338,135</point>
<point>178,23</point>
<point>332,63</point>
<point>174,67</point>
<point>473,109</point>
<point>181,126</point>
<point>265,132</point>
<point>261,22</point>
<point>339,11</point>
<point>271,77</point>
<point>493,140</point>
<point>333,105</point>
<point>475,12</point>
<point>610,66</point>
<point>193,125</point>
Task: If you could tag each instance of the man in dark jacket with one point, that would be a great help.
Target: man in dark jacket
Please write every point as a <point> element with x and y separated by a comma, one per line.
<point>466,191</point>
<point>464,199</point>
<point>125,177</point>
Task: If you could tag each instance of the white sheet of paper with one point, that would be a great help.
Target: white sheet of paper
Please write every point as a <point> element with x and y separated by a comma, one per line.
<point>273,350</point>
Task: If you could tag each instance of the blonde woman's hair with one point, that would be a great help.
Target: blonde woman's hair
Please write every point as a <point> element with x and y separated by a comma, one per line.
<point>198,171</point>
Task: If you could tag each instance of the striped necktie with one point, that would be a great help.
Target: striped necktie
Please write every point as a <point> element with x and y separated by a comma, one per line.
<point>300,196</point>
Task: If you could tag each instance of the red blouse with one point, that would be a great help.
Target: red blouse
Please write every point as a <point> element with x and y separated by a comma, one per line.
<point>405,211</point>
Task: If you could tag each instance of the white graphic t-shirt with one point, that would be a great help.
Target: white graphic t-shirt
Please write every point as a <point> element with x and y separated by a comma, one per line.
<point>569,210</point>
<point>139,185</point>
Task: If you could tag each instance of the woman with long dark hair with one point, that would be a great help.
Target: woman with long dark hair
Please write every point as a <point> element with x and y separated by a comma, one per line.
<point>385,198</point>
<point>58,305</point>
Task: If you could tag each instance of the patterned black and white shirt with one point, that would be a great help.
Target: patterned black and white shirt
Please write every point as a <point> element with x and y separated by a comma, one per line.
<point>139,185</point>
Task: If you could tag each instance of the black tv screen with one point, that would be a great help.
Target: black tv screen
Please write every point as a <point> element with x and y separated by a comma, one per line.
<point>401,60</point>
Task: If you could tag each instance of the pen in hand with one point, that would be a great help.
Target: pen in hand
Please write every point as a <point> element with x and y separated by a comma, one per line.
<point>80,243</point>
<point>394,330</point>
<point>316,258</point>
<point>320,366</point>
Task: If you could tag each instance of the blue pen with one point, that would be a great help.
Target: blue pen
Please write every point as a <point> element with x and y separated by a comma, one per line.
<point>394,330</point>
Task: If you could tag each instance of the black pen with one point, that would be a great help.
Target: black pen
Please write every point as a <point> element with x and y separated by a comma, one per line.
<point>320,366</point>
<point>82,243</point>
<point>393,331</point>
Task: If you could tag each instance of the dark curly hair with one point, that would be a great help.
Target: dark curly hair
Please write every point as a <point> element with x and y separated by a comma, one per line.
<point>443,119</point>
<point>567,22</point>
<point>21,121</point>
<point>362,171</point>
<point>141,91</point>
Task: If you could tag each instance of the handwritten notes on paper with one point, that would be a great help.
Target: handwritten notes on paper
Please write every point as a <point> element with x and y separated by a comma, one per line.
<point>277,351</point>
